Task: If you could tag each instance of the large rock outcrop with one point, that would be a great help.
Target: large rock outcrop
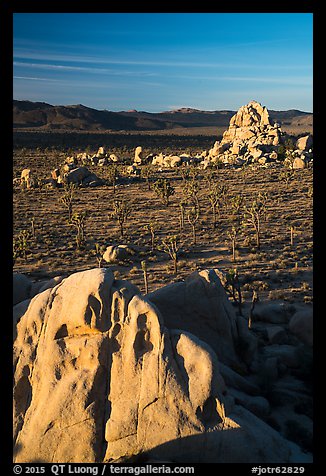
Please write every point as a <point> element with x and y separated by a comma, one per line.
<point>99,377</point>
<point>82,176</point>
<point>250,137</point>
<point>199,305</point>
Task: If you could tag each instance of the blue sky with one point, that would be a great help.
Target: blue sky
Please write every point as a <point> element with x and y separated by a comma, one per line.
<point>161,61</point>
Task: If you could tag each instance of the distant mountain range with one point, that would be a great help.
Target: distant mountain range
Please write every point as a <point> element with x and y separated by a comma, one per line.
<point>46,117</point>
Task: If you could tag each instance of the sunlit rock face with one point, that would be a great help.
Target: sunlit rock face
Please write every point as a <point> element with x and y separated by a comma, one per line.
<point>99,377</point>
<point>250,135</point>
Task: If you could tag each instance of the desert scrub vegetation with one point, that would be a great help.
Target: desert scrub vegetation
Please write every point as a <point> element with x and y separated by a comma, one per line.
<point>78,222</point>
<point>121,211</point>
<point>254,214</point>
<point>170,245</point>
<point>152,227</point>
<point>237,195</point>
<point>67,199</point>
<point>164,190</point>
<point>21,245</point>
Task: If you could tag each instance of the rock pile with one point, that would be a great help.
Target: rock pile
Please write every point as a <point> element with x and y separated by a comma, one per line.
<point>301,155</point>
<point>102,157</point>
<point>102,373</point>
<point>71,173</point>
<point>251,138</point>
<point>82,176</point>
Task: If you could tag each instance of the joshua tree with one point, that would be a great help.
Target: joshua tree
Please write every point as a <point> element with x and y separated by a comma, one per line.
<point>68,197</point>
<point>292,235</point>
<point>190,190</point>
<point>193,217</point>
<point>148,172</point>
<point>170,246</point>
<point>163,190</point>
<point>113,173</point>
<point>185,173</point>
<point>233,286</point>
<point>211,175</point>
<point>254,215</point>
<point>213,195</point>
<point>121,212</point>
<point>310,191</point>
<point>233,235</point>
<point>182,206</point>
<point>286,175</point>
<point>224,194</point>
<point>236,204</point>
<point>152,228</point>
<point>21,245</point>
<point>144,268</point>
<point>99,250</point>
<point>78,221</point>
<point>189,173</point>
<point>254,299</point>
<point>33,231</point>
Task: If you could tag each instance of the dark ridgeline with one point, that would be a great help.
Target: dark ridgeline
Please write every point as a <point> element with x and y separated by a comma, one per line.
<point>42,116</point>
<point>37,124</point>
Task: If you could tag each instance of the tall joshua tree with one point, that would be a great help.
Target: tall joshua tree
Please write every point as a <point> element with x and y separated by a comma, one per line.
<point>163,190</point>
<point>170,245</point>
<point>254,214</point>
<point>68,198</point>
<point>121,211</point>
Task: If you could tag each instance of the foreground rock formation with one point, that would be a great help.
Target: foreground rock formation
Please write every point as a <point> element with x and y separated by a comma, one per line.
<point>99,376</point>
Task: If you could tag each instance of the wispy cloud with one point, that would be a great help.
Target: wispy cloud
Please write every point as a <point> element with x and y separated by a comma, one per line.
<point>96,60</point>
<point>21,54</point>
<point>30,78</point>
<point>257,79</point>
<point>85,69</point>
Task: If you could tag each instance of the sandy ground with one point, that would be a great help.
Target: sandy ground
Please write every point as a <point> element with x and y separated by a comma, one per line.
<point>277,271</point>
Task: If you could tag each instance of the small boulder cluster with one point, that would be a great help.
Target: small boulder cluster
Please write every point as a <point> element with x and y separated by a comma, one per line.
<point>102,157</point>
<point>172,161</point>
<point>71,173</point>
<point>301,156</point>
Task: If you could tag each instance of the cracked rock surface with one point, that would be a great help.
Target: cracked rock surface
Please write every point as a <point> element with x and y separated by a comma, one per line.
<point>98,377</point>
